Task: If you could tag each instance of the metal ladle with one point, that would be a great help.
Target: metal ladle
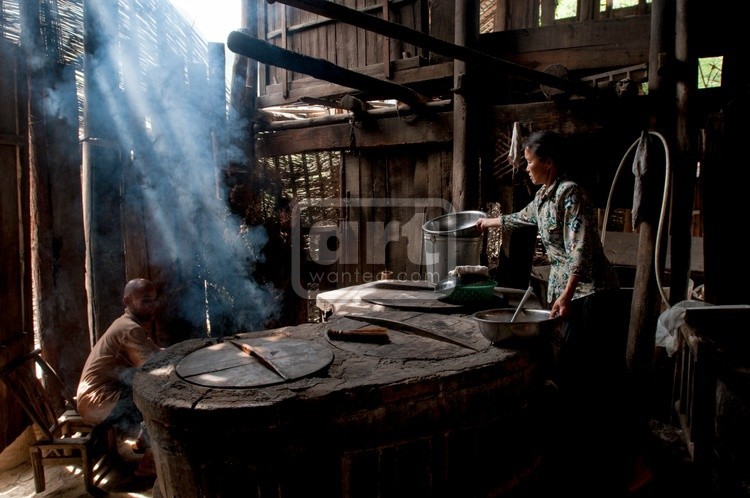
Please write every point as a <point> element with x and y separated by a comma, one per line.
<point>520,305</point>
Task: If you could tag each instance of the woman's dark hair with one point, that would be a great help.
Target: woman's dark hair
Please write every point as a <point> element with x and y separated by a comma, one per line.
<point>548,145</point>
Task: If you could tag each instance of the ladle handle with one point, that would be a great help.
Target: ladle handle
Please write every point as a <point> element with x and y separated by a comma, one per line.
<point>520,305</point>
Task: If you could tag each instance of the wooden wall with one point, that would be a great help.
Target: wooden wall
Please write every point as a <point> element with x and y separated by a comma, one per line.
<point>390,194</point>
<point>342,44</point>
<point>16,333</point>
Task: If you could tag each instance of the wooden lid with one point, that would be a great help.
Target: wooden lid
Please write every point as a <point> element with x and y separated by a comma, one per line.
<point>252,362</point>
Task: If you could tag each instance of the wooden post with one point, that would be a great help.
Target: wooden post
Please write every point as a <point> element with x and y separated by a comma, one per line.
<point>102,171</point>
<point>57,231</point>
<point>501,15</point>
<point>683,186</point>
<point>15,245</point>
<point>465,182</point>
<point>243,98</point>
<point>285,46</point>
<point>646,304</point>
<point>726,137</point>
<point>387,73</point>
<point>588,10</point>
<point>548,12</point>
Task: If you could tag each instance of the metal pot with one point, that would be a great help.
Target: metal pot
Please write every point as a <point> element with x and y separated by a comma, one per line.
<point>496,326</point>
<point>451,240</point>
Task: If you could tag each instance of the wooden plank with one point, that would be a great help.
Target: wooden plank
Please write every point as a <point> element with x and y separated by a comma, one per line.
<point>461,52</point>
<point>11,263</point>
<point>441,27</point>
<point>14,252</point>
<point>16,327</point>
<point>548,12</point>
<point>423,179</point>
<point>262,9</point>
<point>311,87</point>
<point>401,187</point>
<point>285,73</point>
<point>501,17</point>
<point>322,69</point>
<point>446,165</point>
<point>386,44</point>
<point>591,44</point>
<point>387,132</point>
<point>349,238</point>
<point>588,10</point>
<point>523,14</point>
<point>57,200</point>
<point>368,165</point>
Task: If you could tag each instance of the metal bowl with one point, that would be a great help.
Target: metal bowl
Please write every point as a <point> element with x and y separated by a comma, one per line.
<point>496,326</point>
<point>460,224</point>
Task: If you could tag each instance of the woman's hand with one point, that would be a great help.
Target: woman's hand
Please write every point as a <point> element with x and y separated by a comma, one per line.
<point>483,224</point>
<point>561,308</point>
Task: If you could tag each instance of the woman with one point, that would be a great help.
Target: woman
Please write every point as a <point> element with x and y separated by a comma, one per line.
<point>566,223</point>
<point>582,289</point>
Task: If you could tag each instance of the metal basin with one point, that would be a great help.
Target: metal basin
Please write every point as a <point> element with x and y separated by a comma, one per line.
<point>495,324</point>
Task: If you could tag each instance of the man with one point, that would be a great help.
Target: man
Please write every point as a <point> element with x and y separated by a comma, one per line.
<point>105,396</point>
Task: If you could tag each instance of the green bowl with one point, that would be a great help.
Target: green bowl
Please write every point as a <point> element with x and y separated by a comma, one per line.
<point>475,292</point>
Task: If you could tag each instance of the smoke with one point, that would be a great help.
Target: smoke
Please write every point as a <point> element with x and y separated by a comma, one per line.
<point>150,94</point>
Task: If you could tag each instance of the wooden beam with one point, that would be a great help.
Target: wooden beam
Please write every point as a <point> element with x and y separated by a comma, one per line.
<point>267,53</point>
<point>580,45</point>
<point>683,185</point>
<point>405,74</point>
<point>465,174</point>
<point>403,33</point>
<point>394,131</point>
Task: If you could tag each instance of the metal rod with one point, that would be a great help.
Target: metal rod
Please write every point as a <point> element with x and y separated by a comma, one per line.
<point>520,305</point>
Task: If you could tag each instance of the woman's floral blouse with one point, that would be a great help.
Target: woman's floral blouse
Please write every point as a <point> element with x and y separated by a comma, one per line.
<point>568,229</point>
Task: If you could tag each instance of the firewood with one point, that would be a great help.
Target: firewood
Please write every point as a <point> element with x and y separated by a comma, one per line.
<point>371,333</point>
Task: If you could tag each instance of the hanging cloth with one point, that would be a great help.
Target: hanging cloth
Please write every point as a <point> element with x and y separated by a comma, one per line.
<point>640,169</point>
<point>515,153</point>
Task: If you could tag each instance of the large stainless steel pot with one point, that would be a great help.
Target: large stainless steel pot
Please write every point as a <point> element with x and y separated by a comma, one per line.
<point>451,240</point>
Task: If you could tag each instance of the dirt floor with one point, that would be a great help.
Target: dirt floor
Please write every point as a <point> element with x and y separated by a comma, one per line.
<point>673,474</point>
<point>116,480</point>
